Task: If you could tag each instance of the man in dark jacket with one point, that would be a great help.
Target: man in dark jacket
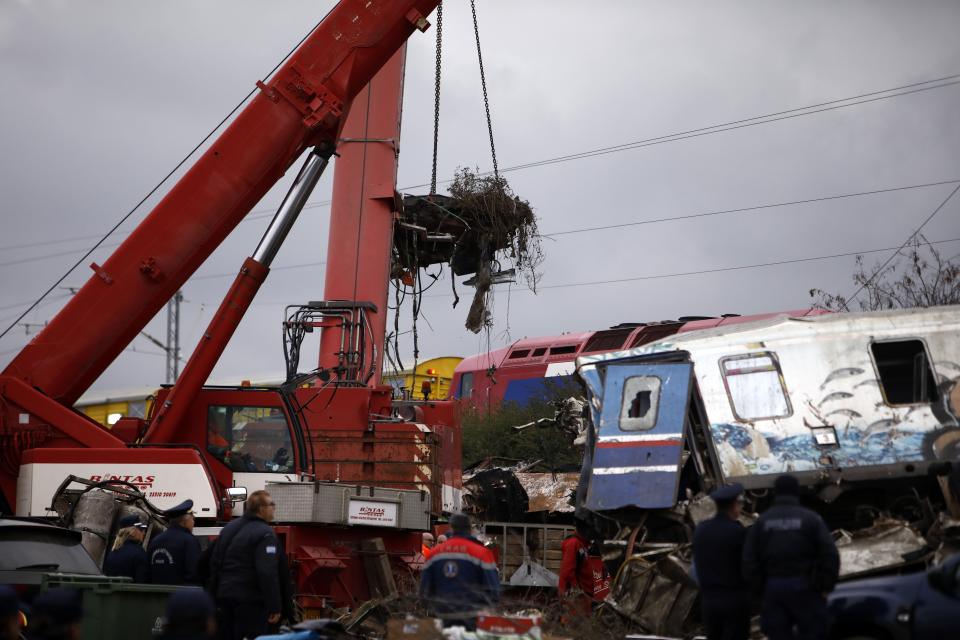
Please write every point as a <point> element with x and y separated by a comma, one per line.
<point>190,615</point>
<point>717,558</point>
<point>174,553</point>
<point>244,572</point>
<point>460,578</point>
<point>128,557</point>
<point>791,556</point>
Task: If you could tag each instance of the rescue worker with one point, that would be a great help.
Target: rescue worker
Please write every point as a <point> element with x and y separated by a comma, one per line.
<point>56,615</point>
<point>244,572</point>
<point>128,557</point>
<point>584,580</point>
<point>791,557</point>
<point>426,545</point>
<point>460,578</point>
<point>174,553</point>
<point>190,615</point>
<point>11,618</point>
<point>718,558</point>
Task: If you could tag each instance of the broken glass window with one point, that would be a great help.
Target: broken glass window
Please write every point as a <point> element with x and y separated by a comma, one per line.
<point>641,398</point>
<point>904,372</point>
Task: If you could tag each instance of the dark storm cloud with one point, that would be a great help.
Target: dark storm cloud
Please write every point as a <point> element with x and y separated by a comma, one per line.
<point>103,98</point>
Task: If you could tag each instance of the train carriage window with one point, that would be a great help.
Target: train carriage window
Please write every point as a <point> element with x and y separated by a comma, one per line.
<point>755,386</point>
<point>254,439</point>
<point>466,385</point>
<point>640,402</point>
<point>906,376</point>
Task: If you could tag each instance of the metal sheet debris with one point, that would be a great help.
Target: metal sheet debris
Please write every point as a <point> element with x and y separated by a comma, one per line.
<point>885,545</point>
<point>550,492</point>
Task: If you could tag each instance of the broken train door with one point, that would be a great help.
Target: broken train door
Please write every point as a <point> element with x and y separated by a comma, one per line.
<point>638,449</point>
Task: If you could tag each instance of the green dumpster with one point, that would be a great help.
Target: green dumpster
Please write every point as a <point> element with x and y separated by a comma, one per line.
<point>116,608</point>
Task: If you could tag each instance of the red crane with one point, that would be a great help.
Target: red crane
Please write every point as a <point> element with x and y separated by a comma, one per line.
<point>337,425</point>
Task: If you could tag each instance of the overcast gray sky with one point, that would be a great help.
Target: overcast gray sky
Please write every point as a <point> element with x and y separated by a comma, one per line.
<point>102,98</point>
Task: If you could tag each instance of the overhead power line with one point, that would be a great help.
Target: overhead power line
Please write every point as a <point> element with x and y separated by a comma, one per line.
<point>913,235</point>
<point>777,116</point>
<point>945,81</point>
<point>745,209</point>
<point>555,234</point>
<point>680,274</point>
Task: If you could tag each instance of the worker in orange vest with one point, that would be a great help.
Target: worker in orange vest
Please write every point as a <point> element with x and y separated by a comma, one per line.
<point>426,545</point>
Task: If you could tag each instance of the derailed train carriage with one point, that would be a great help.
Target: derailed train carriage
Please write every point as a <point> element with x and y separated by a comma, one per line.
<point>864,408</point>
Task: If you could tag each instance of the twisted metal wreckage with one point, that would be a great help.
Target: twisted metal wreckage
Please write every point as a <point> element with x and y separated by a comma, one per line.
<point>864,408</point>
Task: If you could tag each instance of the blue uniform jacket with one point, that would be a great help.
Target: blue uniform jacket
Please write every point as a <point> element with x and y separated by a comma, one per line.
<point>173,557</point>
<point>718,555</point>
<point>244,565</point>
<point>790,541</point>
<point>129,560</point>
<point>460,577</point>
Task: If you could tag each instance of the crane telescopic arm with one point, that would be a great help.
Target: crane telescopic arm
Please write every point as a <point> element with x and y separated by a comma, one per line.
<point>301,106</point>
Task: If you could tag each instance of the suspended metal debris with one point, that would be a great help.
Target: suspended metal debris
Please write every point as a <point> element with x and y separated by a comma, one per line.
<point>482,228</point>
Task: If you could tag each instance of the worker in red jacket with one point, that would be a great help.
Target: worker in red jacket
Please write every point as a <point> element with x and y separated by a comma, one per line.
<point>460,579</point>
<point>584,579</point>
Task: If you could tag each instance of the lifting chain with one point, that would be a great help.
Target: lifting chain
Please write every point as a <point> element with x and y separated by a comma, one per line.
<point>483,83</point>
<point>436,100</point>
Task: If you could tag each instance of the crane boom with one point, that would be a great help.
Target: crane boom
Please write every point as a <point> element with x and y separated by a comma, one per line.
<point>301,106</point>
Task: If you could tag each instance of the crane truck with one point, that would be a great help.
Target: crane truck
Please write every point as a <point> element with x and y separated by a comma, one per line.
<point>331,437</point>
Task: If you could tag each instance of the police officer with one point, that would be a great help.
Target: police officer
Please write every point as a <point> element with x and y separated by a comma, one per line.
<point>717,558</point>
<point>56,615</point>
<point>190,615</point>
<point>128,557</point>
<point>244,572</point>
<point>175,552</point>
<point>460,578</point>
<point>791,556</point>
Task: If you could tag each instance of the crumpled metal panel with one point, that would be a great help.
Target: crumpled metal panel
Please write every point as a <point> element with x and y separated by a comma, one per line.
<point>657,594</point>
<point>882,545</point>
<point>549,492</point>
<point>637,452</point>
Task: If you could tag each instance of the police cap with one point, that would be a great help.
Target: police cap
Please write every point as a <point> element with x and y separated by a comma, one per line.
<point>131,520</point>
<point>727,494</point>
<point>181,509</point>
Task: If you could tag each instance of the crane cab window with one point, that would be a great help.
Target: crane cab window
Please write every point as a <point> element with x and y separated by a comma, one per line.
<point>905,373</point>
<point>254,439</point>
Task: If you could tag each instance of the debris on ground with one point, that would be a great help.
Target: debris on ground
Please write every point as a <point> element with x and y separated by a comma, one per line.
<point>888,544</point>
<point>653,588</point>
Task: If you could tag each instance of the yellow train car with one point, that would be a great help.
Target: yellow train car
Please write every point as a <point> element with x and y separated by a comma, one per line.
<point>107,409</point>
<point>431,382</point>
